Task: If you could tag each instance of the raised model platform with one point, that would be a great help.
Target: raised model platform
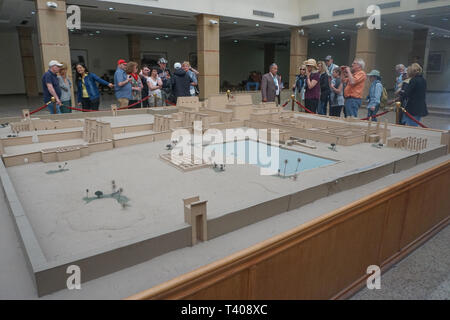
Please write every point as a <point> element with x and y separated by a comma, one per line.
<point>62,221</point>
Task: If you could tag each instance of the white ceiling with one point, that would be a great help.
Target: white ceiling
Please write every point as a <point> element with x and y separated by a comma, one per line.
<point>133,19</point>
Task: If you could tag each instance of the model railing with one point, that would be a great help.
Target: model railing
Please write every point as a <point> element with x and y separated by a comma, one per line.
<point>328,257</point>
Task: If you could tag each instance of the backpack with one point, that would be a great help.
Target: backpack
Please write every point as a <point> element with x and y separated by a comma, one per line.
<point>384,99</point>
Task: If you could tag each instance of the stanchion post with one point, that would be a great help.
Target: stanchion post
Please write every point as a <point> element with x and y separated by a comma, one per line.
<point>397,112</point>
<point>228,94</point>
<point>293,102</point>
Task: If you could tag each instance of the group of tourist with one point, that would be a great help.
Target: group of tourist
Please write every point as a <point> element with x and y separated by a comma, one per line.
<point>318,85</point>
<point>323,83</point>
<point>147,87</point>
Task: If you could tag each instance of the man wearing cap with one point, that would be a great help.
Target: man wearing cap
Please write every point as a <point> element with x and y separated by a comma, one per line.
<point>375,93</point>
<point>122,84</point>
<point>330,65</point>
<point>51,88</point>
<point>181,82</point>
<point>165,76</point>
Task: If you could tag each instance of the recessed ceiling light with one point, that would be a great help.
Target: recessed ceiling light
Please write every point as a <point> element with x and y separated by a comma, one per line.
<point>166,36</point>
<point>328,40</point>
<point>157,38</point>
<point>185,37</point>
<point>91,34</point>
<point>313,42</point>
<point>33,12</point>
<point>336,25</point>
<point>150,12</point>
<point>343,39</point>
<point>342,32</point>
<point>236,41</point>
<point>111,8</point>
<point>97,32</point>
<point>257,24</point>
<point>235,22</point>
<point>413,16</point>
<point>328,30</point>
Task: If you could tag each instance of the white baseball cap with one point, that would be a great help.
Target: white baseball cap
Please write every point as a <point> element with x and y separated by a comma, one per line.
<point>54,63</point>
<point>177,65</point>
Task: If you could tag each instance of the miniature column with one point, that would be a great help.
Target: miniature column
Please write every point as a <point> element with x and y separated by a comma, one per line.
<point>385,132</point>
<point>195,215</point>
<point>114,110</point>
<point>208,52</point>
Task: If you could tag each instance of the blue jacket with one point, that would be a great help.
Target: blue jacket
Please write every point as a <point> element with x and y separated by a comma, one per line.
<point>375,93</point>
<point>91,86</point>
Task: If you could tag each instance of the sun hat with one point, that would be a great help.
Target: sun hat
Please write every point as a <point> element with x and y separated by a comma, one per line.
<point>177,65</point>
<point>374,73</point>
<point>311,62</point>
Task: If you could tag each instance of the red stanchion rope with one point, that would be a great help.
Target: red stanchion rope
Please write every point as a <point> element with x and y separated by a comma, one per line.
<point>303,107</point>
<point>170,103</point>
<point>284,105</point>
<point>83,110</point>
<point>134,104</point>
<point>39,109</point>
<point>413,119</point>
<point>376,116</point>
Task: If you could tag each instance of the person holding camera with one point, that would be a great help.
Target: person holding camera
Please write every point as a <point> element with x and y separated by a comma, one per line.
<point>354,79</point>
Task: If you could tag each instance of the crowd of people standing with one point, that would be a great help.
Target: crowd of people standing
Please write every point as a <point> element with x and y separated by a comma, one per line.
<point>323,87</point>
<point>147,87</point>
<point>322,84</point>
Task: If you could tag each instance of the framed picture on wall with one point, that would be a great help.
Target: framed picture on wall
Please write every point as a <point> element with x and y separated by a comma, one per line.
<point>435,62</point>
<point>151,58</point>
<point>78,56</point>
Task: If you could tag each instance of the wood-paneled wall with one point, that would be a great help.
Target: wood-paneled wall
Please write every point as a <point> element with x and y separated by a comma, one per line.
<point>326,258</point>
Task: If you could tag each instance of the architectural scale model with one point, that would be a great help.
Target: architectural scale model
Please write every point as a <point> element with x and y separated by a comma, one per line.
<point>134,145</point>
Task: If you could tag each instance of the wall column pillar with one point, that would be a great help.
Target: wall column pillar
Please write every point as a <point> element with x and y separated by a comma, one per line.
<point>299,52</point>
<point>269,56</point>
<point>208,53</point>
<point>134,48</point>
<point>366,49</point>
<point>28,65</point>
<point>420,48</point>
<point>53,35</point>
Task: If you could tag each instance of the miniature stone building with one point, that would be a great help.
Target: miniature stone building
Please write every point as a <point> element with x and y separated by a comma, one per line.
<point>96,131</point>
<point>195,215</point>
